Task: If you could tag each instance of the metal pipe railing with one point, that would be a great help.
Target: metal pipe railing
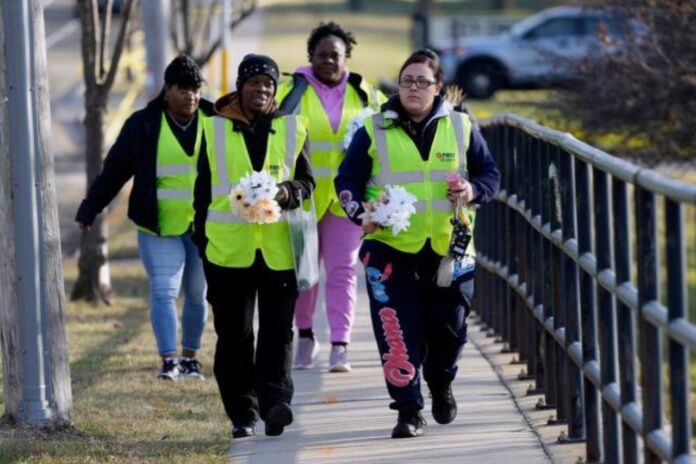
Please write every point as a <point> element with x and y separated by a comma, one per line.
<point>556,284</point>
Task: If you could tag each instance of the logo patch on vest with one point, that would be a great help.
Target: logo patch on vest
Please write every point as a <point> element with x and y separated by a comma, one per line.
<point>445,156</point>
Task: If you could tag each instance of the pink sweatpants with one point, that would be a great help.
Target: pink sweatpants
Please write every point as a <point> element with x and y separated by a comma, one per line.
<point>339,241</point>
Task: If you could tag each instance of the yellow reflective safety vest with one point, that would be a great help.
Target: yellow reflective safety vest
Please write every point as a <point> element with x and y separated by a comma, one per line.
<point>397,161</point>
<point>325,145</point>
<point>232,241</point>
<point>176,175</point>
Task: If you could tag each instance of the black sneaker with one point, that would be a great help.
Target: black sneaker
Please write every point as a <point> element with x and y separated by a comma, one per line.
<point>279,416</point>
<point>170,370</point>
<point>444,405</point>
<point>244,429</point>
<point>190,368</point>
<point>410,424</point>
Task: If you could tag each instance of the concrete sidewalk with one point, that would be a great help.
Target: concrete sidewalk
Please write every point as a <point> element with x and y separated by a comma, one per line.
<point>341,418</point>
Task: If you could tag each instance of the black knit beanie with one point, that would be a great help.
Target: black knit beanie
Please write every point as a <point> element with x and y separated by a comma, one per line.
<point>253,65</point>
<point>184,72</point>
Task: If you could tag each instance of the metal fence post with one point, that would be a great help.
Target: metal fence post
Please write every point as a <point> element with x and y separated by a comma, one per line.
<point>605,310</point>
<point>570,291</point>
<point>587,311</point>
<point>625,316</point>
<point>678,353</point>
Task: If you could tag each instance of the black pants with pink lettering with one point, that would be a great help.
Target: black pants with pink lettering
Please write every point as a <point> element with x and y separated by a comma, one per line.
<point>416,323</point>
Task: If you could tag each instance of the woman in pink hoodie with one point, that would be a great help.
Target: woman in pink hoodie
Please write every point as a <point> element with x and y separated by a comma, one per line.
<point>329,96</point>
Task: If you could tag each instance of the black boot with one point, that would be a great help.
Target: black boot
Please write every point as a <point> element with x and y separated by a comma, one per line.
<point>244,429</point>
<point>444,404</point>
<point>409,424</point>
<point>279,416</point>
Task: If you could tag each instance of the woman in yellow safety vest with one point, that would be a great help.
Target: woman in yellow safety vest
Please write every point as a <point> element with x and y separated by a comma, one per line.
<point>158,147</point>
<point>329,97</point>
<point>243,260</point>
<point>418,142</point>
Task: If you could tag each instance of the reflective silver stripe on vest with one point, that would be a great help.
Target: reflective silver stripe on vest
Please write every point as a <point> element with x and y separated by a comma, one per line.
<point>375,100</point>
<point>437,205</point>
<point>321,172</point>
<point>173,169</point>
<point>439,176</point>
<point>321,146</point>
<point>220,153</point>
<point>459,133</point>
<point>442,205</point>
<point>226,217</point>
<point>221,190</point>
<point>290,144</point>
<point>386,176</point>
<point>392,178</point>
<point>382,154</point>
<point>174,194</point>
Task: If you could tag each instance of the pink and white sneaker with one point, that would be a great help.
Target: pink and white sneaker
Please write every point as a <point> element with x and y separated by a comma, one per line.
<point>338,359</point>
<point>307,350</point>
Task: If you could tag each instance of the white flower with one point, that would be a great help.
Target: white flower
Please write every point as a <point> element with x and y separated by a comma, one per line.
<point>394,208</point>
<point>254,198</point>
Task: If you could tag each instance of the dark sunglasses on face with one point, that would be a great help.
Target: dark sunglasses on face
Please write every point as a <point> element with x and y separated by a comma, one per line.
<point>421,83</point>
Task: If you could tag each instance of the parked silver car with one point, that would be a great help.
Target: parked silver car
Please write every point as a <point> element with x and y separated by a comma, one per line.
<point>523,56</point>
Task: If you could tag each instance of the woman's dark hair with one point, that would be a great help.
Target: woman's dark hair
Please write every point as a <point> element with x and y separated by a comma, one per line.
<point>184,72</point>
<point>325,30</point>
<point>427,57</point>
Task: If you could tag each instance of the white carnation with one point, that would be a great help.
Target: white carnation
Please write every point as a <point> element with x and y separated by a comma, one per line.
<point>394,208</point>
<point>254,198</point>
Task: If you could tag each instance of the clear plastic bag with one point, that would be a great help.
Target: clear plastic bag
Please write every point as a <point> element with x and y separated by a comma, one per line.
<point>304,240</point>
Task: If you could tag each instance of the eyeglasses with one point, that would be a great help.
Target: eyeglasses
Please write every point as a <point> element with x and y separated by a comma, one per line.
<point>421,83</point>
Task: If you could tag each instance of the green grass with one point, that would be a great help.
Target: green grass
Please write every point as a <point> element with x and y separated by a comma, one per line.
<point>122,412</point>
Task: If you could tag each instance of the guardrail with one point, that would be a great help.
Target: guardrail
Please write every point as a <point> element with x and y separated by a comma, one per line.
<point>558,283</point>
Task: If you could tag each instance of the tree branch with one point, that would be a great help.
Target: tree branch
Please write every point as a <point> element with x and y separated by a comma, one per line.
<point>104,40</point>
<point>126,14</point>
<point>89,40</point>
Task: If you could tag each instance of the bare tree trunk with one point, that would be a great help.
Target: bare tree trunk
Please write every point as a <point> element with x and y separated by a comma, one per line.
<point>54,301</point>
<point>94,278</point>
<point>9,325</point>
<point>17,359</point>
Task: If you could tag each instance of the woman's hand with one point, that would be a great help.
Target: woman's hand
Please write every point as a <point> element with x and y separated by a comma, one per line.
<point>282,196</point>
<point>368,226</point>
<point>461,190</point>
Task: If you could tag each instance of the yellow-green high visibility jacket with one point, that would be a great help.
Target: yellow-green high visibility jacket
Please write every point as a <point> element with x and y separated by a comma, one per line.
<point>176,175</point>
<point>326,147</point>
<point>232,241</point>
<point>397,161</point>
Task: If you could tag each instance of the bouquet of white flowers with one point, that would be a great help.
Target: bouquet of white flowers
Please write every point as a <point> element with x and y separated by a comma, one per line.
<point>254,198</point>
<point>392,209</point>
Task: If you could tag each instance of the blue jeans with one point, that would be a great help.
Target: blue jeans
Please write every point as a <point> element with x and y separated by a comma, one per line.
<point>169,263</point>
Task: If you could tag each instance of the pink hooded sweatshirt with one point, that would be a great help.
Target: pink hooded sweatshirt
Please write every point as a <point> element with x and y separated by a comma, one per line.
<point>331,97</point>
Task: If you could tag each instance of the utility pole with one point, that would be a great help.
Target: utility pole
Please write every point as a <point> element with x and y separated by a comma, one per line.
<point>156,17</point>
<point>32,302</point>
<point>225,47</point>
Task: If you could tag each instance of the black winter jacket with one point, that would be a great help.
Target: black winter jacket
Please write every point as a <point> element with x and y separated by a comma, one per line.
<point>134,154</point>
